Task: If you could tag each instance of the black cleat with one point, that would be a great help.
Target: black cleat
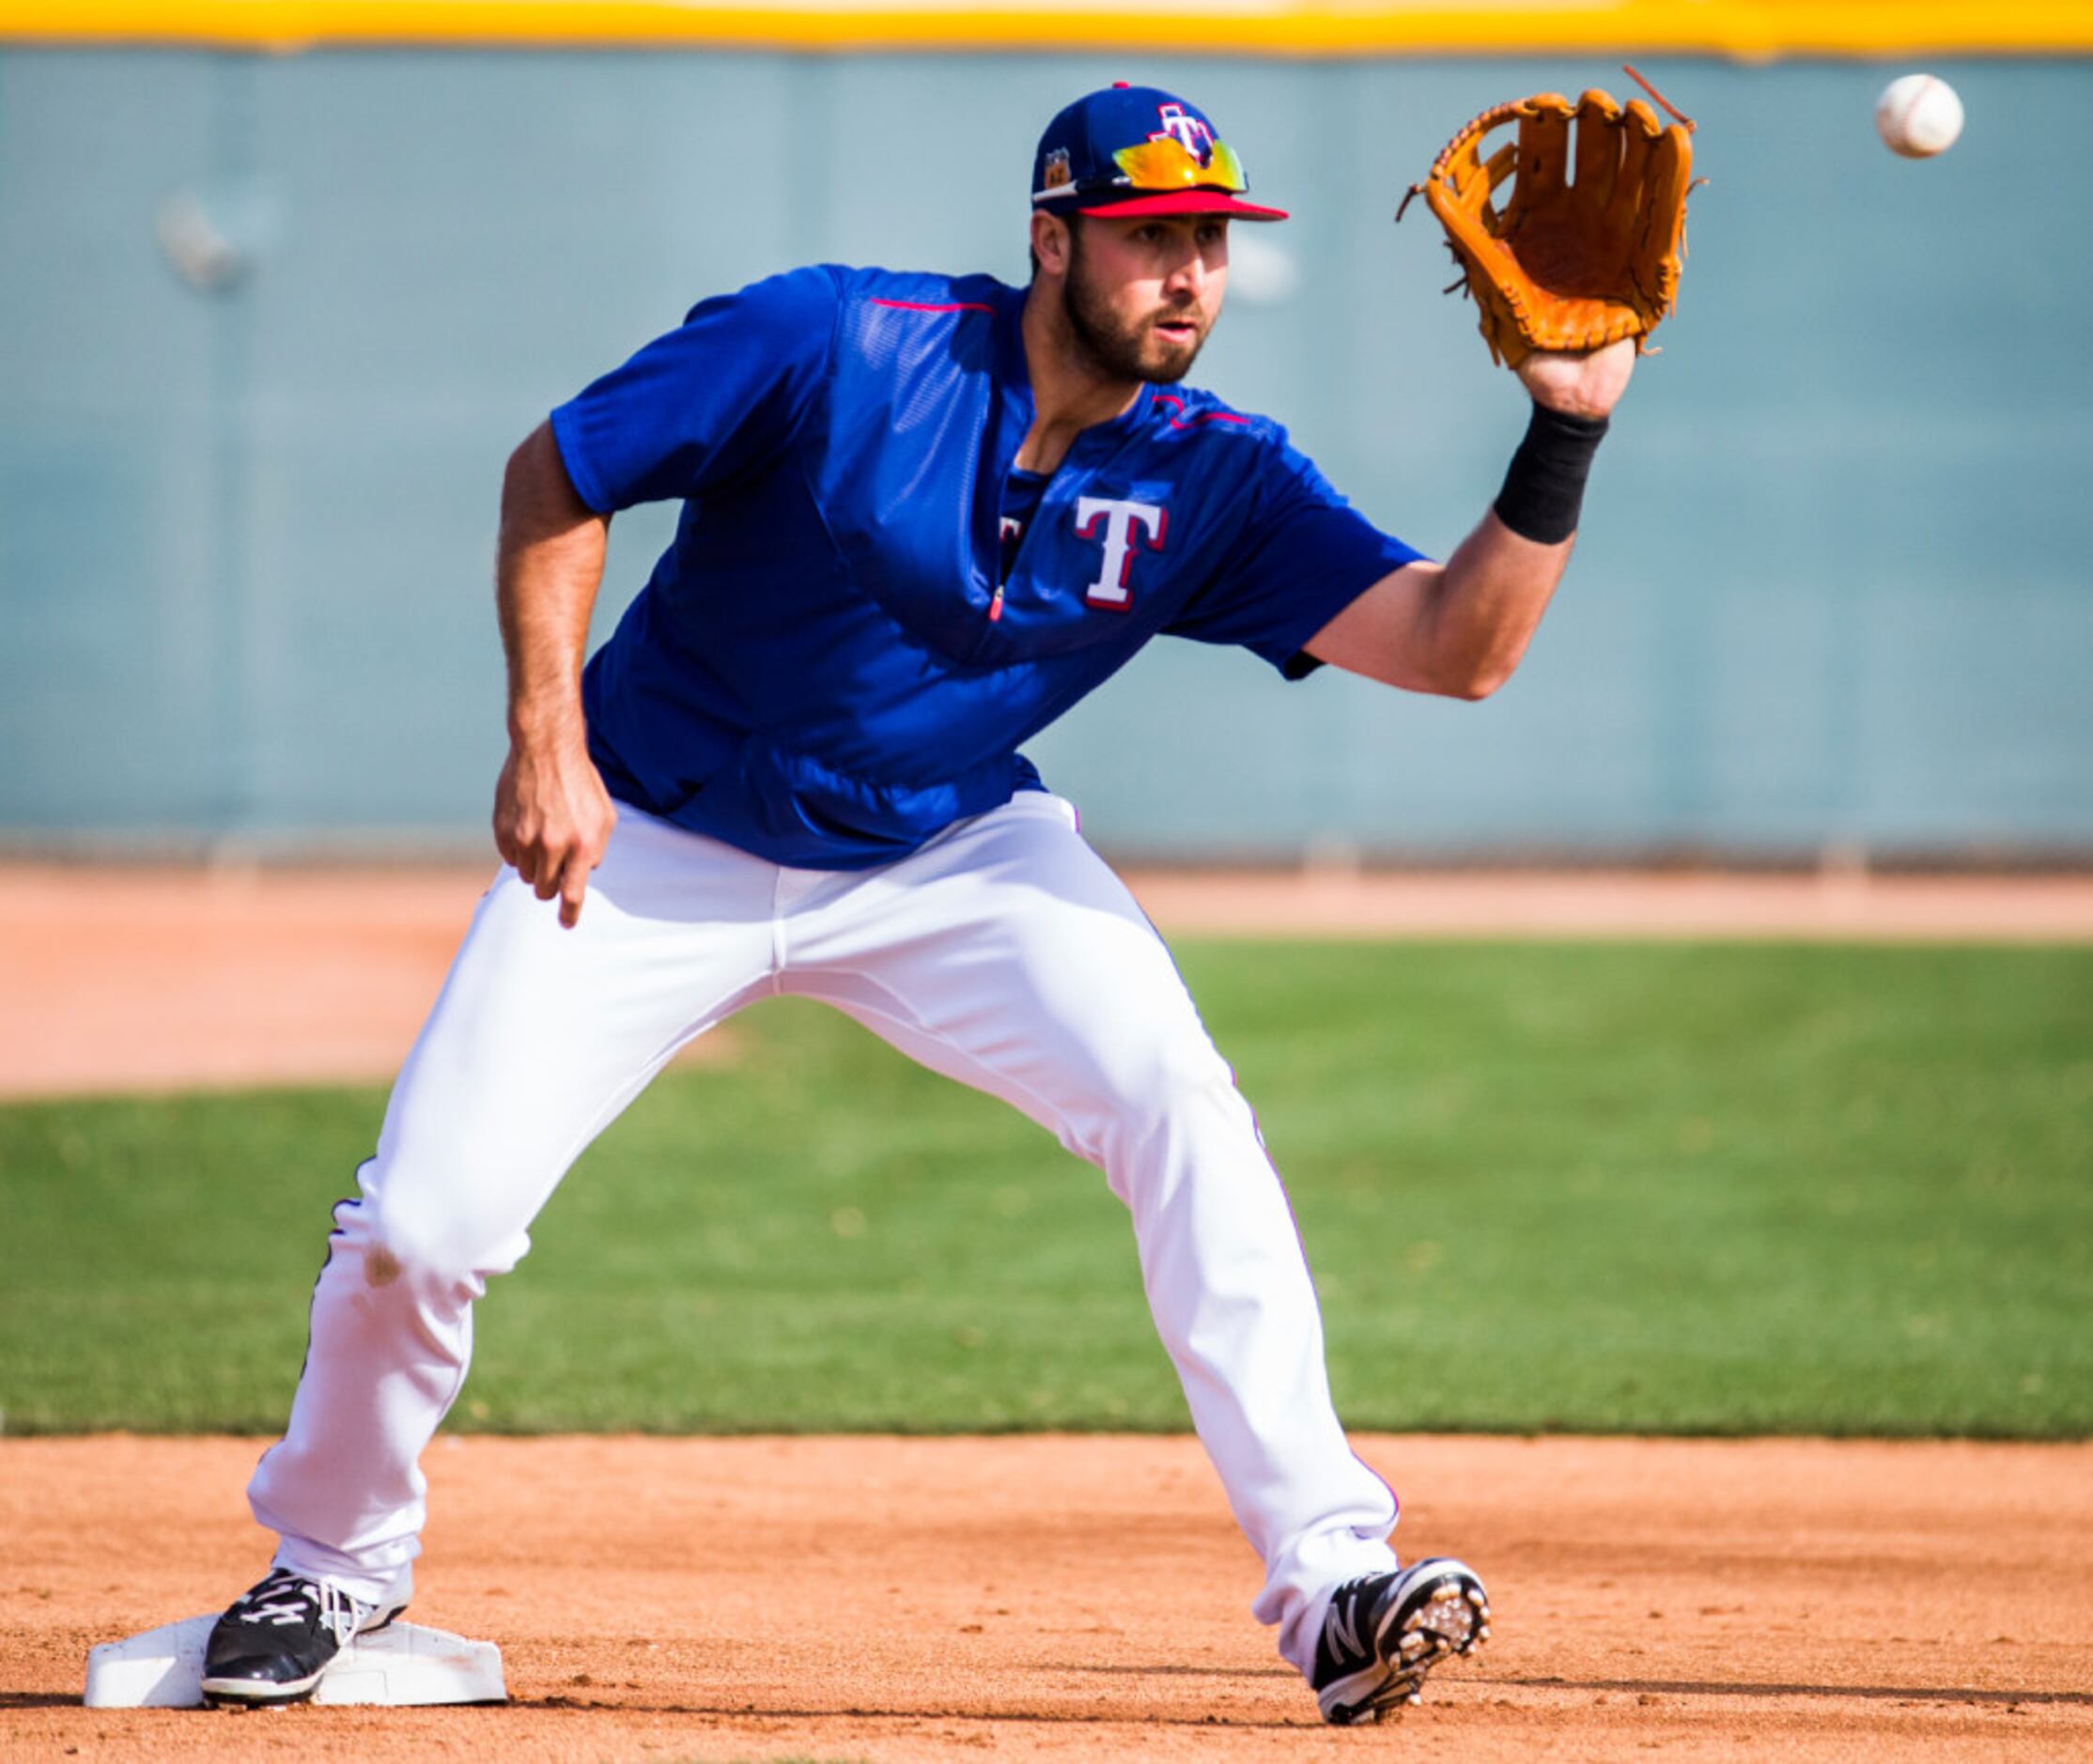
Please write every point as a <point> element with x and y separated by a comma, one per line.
<point>1385,1631</point>
<point>276,1642</point>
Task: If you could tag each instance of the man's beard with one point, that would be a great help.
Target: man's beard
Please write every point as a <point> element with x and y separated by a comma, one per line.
<point>1116,349</point>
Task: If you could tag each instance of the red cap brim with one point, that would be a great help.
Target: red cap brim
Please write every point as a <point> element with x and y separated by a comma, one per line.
<point>1190,202</point>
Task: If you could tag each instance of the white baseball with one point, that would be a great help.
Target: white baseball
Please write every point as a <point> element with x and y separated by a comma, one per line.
<point>1918,116</point>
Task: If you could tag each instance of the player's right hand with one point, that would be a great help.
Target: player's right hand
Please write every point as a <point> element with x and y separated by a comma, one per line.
<point>552,819</point>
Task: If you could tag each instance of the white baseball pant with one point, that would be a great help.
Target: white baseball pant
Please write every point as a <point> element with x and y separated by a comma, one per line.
<point>1006,954</point>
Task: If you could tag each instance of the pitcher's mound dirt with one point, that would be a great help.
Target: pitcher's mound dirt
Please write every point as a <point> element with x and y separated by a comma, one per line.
<point>1059,1598</point>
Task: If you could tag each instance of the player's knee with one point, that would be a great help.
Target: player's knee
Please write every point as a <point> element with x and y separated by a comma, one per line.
<point>420,1253</point>
<point>1167,1082</point>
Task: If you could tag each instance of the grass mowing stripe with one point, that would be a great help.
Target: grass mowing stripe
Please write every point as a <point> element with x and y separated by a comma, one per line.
<point>1658,1188</point>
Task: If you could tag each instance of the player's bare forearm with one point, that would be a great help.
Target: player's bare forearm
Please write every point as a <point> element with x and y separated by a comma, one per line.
<point>1460,628</point>
<point>548,562</point>
<point>1457,628</point>
<point>553,817</point>
<point>1481,612</point>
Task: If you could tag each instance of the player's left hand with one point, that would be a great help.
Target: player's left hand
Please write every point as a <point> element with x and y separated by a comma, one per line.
<point>1588,383</point>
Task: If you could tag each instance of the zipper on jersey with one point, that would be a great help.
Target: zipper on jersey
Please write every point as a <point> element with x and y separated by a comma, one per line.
<point>996,604</point>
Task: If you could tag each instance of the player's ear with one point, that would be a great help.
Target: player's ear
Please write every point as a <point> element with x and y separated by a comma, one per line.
<point>1050,244</point>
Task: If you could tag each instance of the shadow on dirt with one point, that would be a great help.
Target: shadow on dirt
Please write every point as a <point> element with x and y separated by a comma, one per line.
<point>1906,1694</point>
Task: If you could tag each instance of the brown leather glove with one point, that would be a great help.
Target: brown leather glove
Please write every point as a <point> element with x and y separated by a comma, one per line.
<point>1587,250</point>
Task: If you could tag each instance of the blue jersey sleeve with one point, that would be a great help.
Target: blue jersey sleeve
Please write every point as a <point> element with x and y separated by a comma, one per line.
<point>717,398</point>
<point>1304,555</point>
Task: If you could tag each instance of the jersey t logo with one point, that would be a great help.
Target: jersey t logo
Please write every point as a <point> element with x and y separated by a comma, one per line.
<point>1122,520</point>
<point>1189,132</point>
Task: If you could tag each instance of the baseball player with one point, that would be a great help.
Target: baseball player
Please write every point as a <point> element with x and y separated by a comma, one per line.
<point>922,515</point>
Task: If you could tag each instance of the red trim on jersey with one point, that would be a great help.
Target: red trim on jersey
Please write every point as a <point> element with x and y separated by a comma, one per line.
<point>927,306</point>
<point>1204,416</point>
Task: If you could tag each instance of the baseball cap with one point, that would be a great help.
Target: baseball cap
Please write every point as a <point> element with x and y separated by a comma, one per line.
<point>1134,149</point>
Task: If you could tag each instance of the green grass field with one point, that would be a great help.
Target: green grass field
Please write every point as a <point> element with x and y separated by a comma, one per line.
<point>1654,1188</point>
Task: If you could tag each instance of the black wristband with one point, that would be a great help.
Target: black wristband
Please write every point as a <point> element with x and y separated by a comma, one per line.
<point>1543,491</point>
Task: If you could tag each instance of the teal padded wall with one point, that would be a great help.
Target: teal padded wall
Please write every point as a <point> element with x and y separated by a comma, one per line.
<point>1833,589</point>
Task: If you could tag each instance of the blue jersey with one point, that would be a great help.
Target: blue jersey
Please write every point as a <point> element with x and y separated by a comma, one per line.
<point>837,656</point>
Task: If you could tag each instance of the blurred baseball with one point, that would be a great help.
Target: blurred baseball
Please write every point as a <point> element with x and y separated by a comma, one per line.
<point>1918,116</point>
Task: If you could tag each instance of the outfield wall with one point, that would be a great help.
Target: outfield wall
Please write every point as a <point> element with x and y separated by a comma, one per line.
<point>270,324</point>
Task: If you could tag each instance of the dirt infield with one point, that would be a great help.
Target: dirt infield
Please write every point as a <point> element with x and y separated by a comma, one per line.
<point>1060,1597</point>
<point>129,979</point>
<point>1031,1597</point>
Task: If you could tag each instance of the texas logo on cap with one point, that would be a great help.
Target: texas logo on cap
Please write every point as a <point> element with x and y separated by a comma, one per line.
<point>1133,149</point>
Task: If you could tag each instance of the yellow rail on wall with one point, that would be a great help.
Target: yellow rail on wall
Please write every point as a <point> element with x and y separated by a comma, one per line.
<point>1305,28</point>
